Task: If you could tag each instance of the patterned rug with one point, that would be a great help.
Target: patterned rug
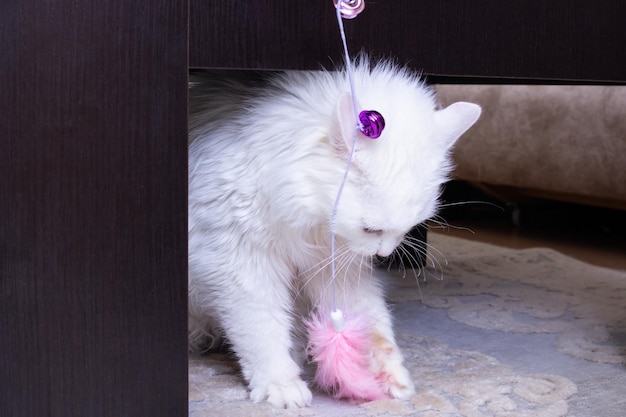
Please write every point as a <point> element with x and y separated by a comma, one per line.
<point>488,331</point>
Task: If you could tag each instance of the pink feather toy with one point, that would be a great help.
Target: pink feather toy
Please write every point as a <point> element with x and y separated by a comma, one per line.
<point>340,348</point>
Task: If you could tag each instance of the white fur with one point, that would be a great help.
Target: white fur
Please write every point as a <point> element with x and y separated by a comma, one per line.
<point>265,164</point>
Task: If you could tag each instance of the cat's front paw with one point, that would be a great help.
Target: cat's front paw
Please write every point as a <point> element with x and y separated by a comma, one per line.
<point>397,381</point>
<point>283,394</point>
<point>394,378</point>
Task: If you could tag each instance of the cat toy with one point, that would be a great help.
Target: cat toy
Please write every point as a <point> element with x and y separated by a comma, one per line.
<point>338,344</point>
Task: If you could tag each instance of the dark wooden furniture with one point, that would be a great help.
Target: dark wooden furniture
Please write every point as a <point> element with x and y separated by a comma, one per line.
<point>93,208</point>
<point>531,40</point>
<point>93,161</point>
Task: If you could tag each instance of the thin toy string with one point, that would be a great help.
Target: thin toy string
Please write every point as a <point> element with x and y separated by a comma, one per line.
<point>345,174</point>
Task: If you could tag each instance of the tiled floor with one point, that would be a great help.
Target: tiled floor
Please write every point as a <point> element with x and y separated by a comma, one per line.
<point>593,235</point>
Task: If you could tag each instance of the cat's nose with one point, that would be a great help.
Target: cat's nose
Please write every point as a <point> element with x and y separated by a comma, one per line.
<point>388,245</point>
<point>385,250</point>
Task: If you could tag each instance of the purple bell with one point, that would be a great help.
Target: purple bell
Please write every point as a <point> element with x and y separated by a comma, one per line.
<point>372,123</point>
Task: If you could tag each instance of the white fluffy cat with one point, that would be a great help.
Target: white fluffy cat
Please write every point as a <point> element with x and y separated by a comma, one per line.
<point>266,158</point>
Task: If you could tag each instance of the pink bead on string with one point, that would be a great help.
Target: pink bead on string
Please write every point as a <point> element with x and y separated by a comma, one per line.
<point>350,8</point>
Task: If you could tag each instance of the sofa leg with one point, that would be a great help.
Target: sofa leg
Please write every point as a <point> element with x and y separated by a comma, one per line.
<point>516,214</point>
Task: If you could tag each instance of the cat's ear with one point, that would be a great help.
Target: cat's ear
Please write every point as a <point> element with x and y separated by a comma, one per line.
<point>345,121</point>
<point>455,120</point>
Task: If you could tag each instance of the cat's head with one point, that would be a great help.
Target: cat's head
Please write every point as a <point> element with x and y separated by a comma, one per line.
<point>394,181</point>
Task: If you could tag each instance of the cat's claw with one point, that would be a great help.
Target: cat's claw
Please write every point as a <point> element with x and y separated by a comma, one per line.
<point>284,394</point>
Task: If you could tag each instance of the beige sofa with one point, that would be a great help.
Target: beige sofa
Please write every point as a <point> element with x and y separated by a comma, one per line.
<point>558,142</point>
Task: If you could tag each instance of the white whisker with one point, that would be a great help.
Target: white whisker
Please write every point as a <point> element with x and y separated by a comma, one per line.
<point>431,253</point>
<point>462,203</point>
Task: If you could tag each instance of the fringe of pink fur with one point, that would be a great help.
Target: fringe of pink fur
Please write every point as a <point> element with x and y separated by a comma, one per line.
<point>343,358</point>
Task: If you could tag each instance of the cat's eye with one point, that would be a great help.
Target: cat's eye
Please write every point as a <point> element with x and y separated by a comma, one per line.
<point>373,231</point>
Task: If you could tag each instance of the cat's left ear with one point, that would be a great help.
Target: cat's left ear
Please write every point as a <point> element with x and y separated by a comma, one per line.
<point>456,119</point>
